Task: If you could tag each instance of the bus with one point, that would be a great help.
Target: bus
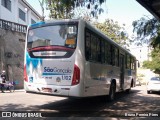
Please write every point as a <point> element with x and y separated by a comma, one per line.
<point>72,58</point>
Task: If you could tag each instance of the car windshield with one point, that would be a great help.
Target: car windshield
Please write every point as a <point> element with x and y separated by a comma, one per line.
<point>155,79</point>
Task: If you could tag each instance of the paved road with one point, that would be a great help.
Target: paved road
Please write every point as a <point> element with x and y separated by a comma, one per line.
<point>138,101</point>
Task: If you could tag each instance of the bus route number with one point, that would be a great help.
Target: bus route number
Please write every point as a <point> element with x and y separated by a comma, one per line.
<point>66,77</point>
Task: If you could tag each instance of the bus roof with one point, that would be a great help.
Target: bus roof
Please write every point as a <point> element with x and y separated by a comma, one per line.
<point>51,22</point>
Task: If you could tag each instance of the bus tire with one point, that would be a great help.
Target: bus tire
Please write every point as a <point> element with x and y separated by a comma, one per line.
<point>149,92</point>
<point>128,90</point>
<point>27,92</point>
<point>112,90</point>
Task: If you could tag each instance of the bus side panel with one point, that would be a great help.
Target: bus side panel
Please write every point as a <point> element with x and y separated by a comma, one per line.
<point>98,78</point>
<point>78,90</point>
<point>92,77</point>
<point>128,79</point>
<point>115,73</point>
<point>108,73</point>
<point>134,78</point>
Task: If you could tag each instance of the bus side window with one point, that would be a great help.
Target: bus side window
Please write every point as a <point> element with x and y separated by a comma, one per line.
<point>102,51</point>
<point>132,63</point>
<point>128,61</point>
<point>108,53</point>
<point>113,55</point>
<point>93,48</point>
<point>116,57</point>
<point>98,50</point>
<point>87,45</point>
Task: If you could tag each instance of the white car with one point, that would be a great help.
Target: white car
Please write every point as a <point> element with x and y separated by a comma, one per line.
<point>153,84</point>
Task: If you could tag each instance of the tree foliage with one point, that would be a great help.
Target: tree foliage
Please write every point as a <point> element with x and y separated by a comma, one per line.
<point>60,8</point>
<point>114,31</point>
<point>64,8</point>
<point>88,9</point>
<point>155,63</point>
<point>148,30</point>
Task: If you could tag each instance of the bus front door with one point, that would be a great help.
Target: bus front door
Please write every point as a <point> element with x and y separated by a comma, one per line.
<point>121,71</point>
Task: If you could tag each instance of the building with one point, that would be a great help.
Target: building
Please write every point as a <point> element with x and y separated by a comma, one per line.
<point>142,53</point>
<point>18,11</point>
<point>15,15</point>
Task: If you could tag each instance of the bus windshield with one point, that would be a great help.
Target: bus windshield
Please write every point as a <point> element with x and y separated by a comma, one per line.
<point>57,35</point>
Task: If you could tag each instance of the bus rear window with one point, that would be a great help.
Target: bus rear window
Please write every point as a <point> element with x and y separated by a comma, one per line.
<point>57,35</point>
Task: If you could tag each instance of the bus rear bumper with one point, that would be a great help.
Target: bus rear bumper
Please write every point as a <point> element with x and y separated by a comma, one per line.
<point>47,89</point>
<point>52,90</point>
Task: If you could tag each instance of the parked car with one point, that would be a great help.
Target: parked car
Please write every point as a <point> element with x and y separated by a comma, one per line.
<point>153,84</point>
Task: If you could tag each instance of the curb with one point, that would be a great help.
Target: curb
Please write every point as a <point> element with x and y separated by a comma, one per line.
<point>20,90</point>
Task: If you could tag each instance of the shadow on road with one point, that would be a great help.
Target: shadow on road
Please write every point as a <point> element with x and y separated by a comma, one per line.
<point>97,106</point>
<point>124,103</point>
<point>81,104</point>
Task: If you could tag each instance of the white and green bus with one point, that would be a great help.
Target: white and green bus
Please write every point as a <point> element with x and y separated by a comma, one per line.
<point>72,58</point>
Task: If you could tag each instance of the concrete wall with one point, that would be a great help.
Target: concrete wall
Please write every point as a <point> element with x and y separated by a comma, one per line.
<point>12,55</point>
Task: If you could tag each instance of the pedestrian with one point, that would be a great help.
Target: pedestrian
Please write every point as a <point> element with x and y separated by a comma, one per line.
<point>0,82</point>
<point>3,77</point>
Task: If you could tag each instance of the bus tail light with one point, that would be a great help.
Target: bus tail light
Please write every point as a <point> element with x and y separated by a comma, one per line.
<point>76,75</point>
<point>25,74</point>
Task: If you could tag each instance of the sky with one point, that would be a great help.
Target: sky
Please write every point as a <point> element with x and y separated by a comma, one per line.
<point>122,11</point>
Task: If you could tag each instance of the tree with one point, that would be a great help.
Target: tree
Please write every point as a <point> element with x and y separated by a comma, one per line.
<point>88,9</point>
<point>114,31</point>
<point>155,63</point>
<point>42,7</point>
<point>148,31</point>
<point>64,8</point>
<point>60,8</point>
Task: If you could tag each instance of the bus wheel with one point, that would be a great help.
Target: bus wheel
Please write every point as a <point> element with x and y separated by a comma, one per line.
<point>149,92</point>
<point>112,90</point>
<point>128,90</point>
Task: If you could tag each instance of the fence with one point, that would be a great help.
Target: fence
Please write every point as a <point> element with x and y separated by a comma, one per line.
<point>7,25</point>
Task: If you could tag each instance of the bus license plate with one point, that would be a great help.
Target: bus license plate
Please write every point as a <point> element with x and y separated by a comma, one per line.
<point>48,90</point>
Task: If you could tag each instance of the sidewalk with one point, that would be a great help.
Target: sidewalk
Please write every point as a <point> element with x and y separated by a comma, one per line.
<point>20,90</point>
